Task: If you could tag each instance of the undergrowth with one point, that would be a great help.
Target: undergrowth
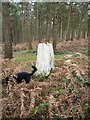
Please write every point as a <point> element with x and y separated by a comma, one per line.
<point>62,94</point>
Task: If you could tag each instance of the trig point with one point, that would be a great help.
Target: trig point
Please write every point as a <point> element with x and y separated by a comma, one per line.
<point>45,58</point>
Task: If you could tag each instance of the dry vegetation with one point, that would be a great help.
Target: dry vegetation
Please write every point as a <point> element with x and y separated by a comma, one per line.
<point>61,95</point>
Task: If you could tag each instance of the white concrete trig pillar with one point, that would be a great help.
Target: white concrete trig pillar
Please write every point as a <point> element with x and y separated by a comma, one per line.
<point>45,58</point>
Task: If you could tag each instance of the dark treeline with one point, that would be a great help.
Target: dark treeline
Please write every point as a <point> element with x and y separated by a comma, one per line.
<point>44,21</point>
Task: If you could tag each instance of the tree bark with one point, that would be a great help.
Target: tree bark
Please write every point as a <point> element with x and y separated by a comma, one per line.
<point>38,30</point>
<point>6,31</point>
<point>69,20</point>
<point>55,25</point>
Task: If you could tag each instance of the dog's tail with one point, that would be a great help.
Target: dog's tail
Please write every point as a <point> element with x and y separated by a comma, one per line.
<point>34,70</point>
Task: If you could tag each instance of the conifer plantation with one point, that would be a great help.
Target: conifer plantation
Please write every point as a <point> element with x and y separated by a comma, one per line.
<point>64,93</point>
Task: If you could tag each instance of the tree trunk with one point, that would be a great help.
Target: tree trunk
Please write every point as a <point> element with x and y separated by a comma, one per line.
<point>55,25</point>
<point>48,24</point>
<point>26,28</point>
<point>68,24</point>
<point>38,32</point>
<point>30,36</point>
<point>23,24</point>
<point>6,29</point>
<point>80,27</point>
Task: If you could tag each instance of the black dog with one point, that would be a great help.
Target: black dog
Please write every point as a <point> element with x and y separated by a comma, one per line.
<point>22,75</point>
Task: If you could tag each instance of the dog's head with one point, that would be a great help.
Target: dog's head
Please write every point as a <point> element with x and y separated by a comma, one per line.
<point>34,68</point>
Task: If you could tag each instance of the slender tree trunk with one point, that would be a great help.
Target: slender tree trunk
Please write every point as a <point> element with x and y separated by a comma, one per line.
<point>23,23</point>
<point>30,35</point>
<point>26,28</point>
<point>72,24</point>
<point>6,29</point>
<point>38,32</point>
<point>69,22</point>
<point>59,29</point>
<point>62,31</point>
<point>26,20</point>
<point>47,29</point>
<point>48,24</point>
<point>72,34</point>
<point>37,22</point>
<point>55,25</point>
<point>79,29</point>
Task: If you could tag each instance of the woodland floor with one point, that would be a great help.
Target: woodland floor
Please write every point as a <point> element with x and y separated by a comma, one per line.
<point>61,95</point>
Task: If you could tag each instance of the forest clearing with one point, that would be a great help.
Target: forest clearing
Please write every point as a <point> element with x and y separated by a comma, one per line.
<point>61,95</point>
<point>44,60</point>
